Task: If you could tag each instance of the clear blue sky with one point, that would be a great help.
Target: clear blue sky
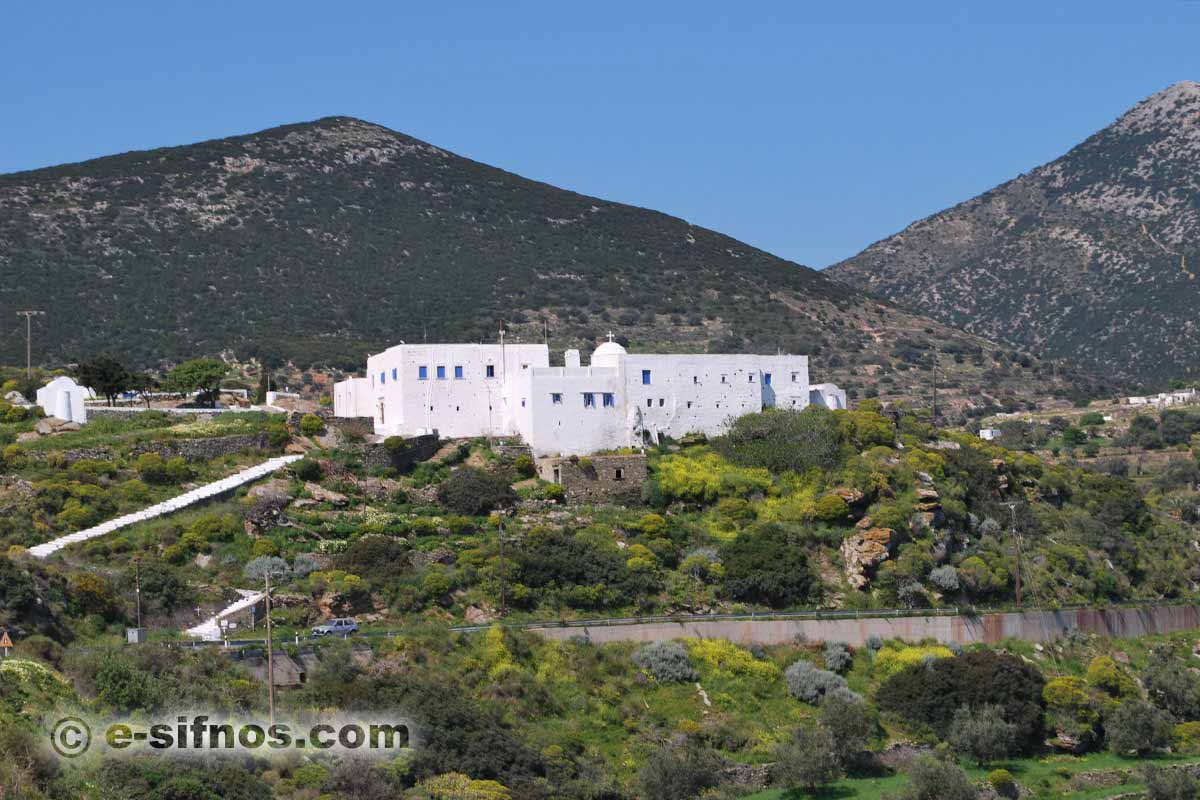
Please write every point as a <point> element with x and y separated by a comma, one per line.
<point>807,129</point>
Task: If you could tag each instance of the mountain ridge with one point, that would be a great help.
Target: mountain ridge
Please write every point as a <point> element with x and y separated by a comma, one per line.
<point>1087,257</point>
<point>325,240</point>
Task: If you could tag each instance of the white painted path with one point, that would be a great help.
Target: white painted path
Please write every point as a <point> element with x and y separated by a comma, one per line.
<point>166,507</point>
<point>210,629</point>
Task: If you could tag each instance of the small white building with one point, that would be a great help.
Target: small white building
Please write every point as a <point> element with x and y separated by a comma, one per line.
<point>619,400</point>
<point>1166,399</point>
<point>64,399</point>
<point>828,395</point>
<point>989,434</point>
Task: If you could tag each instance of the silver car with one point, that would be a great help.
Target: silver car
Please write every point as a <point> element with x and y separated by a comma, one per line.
<point>342,626</point>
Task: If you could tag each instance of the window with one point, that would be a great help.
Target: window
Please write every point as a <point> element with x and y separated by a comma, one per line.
<point>751,377</point>
<point>609,400</point>
<point>556,398</point>
<point>589,400</point>
<point>490,371</point>
<point>794,375</point>
<point>422,373</point>
<point>723,379</point>
<point>383,377</point>
<point>689,403</point>
<point>524,366</point>
<point>557,474</point>
<point>393,373</point>
<point>695,379</point>
<point>619,474</point>
<point>649,402</point>
<point>441,372</point>
<point>522,402</point>
<point>660,402</point>
<point>767,378</point>
<point>645,377</point>
<point>458,372</point>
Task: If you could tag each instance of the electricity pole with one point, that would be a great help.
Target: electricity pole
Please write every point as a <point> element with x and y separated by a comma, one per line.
<point>29,314</point>
<point>137,588</point>
<point>270,658</point>
<point>1012,510</point>
<point>936,353</point>
<point>500,535</point>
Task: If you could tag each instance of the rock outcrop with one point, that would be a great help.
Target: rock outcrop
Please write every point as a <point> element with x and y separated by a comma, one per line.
<point>863,551</point>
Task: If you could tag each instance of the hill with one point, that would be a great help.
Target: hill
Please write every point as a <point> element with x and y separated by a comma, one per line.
<point>1092,257</point>
<point>319,242</point>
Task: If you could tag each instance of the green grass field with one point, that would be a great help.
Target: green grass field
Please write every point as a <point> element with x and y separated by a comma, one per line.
<point>1045,777</point>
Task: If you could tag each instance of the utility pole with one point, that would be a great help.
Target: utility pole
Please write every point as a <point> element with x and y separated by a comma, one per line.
<point>936,353</point>
<point>29,315</point>
<point>503,587</point>
<point>137,588</point>
<point>270,656</point>
<point>1012,510</point>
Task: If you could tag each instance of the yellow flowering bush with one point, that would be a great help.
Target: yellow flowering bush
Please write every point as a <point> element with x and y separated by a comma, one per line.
<point>727,660</point>
<point>891,660</point>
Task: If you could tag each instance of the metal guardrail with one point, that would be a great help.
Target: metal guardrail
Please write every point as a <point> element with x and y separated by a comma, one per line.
<point>753,616</point>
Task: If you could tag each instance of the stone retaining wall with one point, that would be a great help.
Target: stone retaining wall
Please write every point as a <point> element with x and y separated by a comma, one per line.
<point>420,448</point>
<point>1030,626</point>
<point>596,479</point>
<point>205,449</point>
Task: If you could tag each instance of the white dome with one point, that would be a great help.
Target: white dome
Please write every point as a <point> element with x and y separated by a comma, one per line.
<point>607,355</point>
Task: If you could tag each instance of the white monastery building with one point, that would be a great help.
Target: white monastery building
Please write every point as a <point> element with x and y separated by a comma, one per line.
<point>620,399</point>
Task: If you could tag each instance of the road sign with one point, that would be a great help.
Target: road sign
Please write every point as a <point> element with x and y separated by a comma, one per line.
<point>5,643</point>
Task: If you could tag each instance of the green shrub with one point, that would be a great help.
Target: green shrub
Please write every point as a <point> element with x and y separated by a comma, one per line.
<point>929,693</point>
<point>1138,728</point>
<point>763,566</point>
<point>278,435</point>
<point>667,661</point>
<point>832,509</point>
<point>1002,782</point>
<point>781,440</point>
<point>809,684</point>
<point>311,425</point>
<point>154,470</point>
<point>523,466</point>
<point>473,491</point>
<point>308,470</point>
<point>395,445</point>
<point>837,656</point>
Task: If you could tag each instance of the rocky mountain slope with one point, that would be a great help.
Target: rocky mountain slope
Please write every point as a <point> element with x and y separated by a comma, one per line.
<point>1092,257</point>
<point>322,241</point>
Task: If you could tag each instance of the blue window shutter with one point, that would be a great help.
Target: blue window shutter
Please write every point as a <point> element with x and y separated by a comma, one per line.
<point>645,377</point>
<point>767,378</point>
<point>441,373</point>
<point>393,373</point>
<point>491,371</point>
<point>608,400</point>
<point>458,373</point>
<point>423,373</point>
<point>383,377</point>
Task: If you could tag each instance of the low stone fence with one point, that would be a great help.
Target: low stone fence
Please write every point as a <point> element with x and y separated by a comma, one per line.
<point>205,449</point>
<point>1030,626</point>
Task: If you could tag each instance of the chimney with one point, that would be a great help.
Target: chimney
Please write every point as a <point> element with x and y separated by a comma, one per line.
<point>571,358</point>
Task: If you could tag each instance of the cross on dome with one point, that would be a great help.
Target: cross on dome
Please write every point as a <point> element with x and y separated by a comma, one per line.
<point>610,336</point>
